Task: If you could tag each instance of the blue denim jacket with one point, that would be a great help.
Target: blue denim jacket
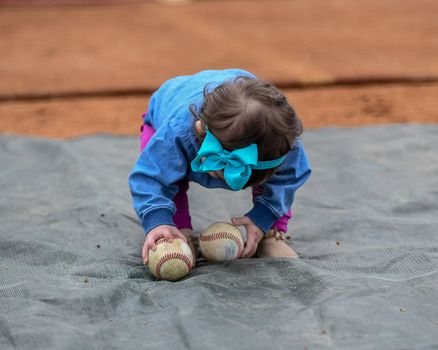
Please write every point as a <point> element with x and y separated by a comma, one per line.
<point>166,158</point>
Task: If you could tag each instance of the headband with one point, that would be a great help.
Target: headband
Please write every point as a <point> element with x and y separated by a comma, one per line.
<point>237,164</point>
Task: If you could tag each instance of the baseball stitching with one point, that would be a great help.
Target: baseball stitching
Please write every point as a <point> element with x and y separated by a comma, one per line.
<point>170,256</point>
<point>222,235</point>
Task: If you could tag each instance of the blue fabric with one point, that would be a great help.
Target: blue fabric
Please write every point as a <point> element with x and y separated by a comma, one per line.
<point>168,155</point>
<point>237,164</point>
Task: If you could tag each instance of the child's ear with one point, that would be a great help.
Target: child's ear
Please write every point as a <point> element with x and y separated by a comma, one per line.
<point>199,128</point>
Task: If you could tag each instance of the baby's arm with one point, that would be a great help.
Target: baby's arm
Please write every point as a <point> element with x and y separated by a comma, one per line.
<point>279,191</point>
<point>153,184</point>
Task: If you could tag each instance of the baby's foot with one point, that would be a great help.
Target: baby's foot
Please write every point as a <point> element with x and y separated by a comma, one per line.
<point>273,245</point>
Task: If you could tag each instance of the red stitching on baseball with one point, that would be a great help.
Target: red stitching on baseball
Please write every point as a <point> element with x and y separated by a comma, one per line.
<point>222,235</point>
<point>170,256</point>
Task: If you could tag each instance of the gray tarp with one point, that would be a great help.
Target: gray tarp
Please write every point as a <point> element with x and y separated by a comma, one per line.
<point>366,227</point>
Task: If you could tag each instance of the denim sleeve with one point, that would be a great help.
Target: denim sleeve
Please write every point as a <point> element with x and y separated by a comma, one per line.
<point>153,181</point>
<point>279,191</point>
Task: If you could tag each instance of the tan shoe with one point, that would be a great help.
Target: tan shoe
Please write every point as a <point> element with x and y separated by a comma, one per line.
<point>274,245</point>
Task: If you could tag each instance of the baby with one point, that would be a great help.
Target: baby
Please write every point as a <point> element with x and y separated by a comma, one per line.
<point>222,129</point>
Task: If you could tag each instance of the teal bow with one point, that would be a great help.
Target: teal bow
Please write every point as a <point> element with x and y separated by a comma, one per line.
<point>237,164</point>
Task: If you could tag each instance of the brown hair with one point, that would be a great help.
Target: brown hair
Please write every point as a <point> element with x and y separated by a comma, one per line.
<point>248,110</point>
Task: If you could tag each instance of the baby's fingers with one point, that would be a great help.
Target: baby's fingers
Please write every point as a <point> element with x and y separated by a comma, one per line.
<point>250,249</point>
<point>145,253</point>
<point>179,234</point>
<point>148,245</point>
<point>168,236</point>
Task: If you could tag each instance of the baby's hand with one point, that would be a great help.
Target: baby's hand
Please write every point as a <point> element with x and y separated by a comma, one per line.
<point>163,231</point>
<point>254,235</point>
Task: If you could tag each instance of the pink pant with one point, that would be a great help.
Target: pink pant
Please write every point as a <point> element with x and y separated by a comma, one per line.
<point>182,217</point>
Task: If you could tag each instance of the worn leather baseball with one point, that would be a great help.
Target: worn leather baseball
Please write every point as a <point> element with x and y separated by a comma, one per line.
<point>170,261</point>
<point>221,241</point>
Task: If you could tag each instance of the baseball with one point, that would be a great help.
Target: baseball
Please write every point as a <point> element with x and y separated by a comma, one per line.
<point>221,241</point>
<point>170,261</point>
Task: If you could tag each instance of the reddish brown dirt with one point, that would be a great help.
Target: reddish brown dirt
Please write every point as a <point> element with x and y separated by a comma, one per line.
<point>88,48</point>
<point>54,50</point>
<point>317,107</point>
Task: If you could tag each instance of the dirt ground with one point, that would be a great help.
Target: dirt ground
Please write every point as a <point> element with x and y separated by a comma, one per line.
<point>71,68</point>
<point>348,107</point>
